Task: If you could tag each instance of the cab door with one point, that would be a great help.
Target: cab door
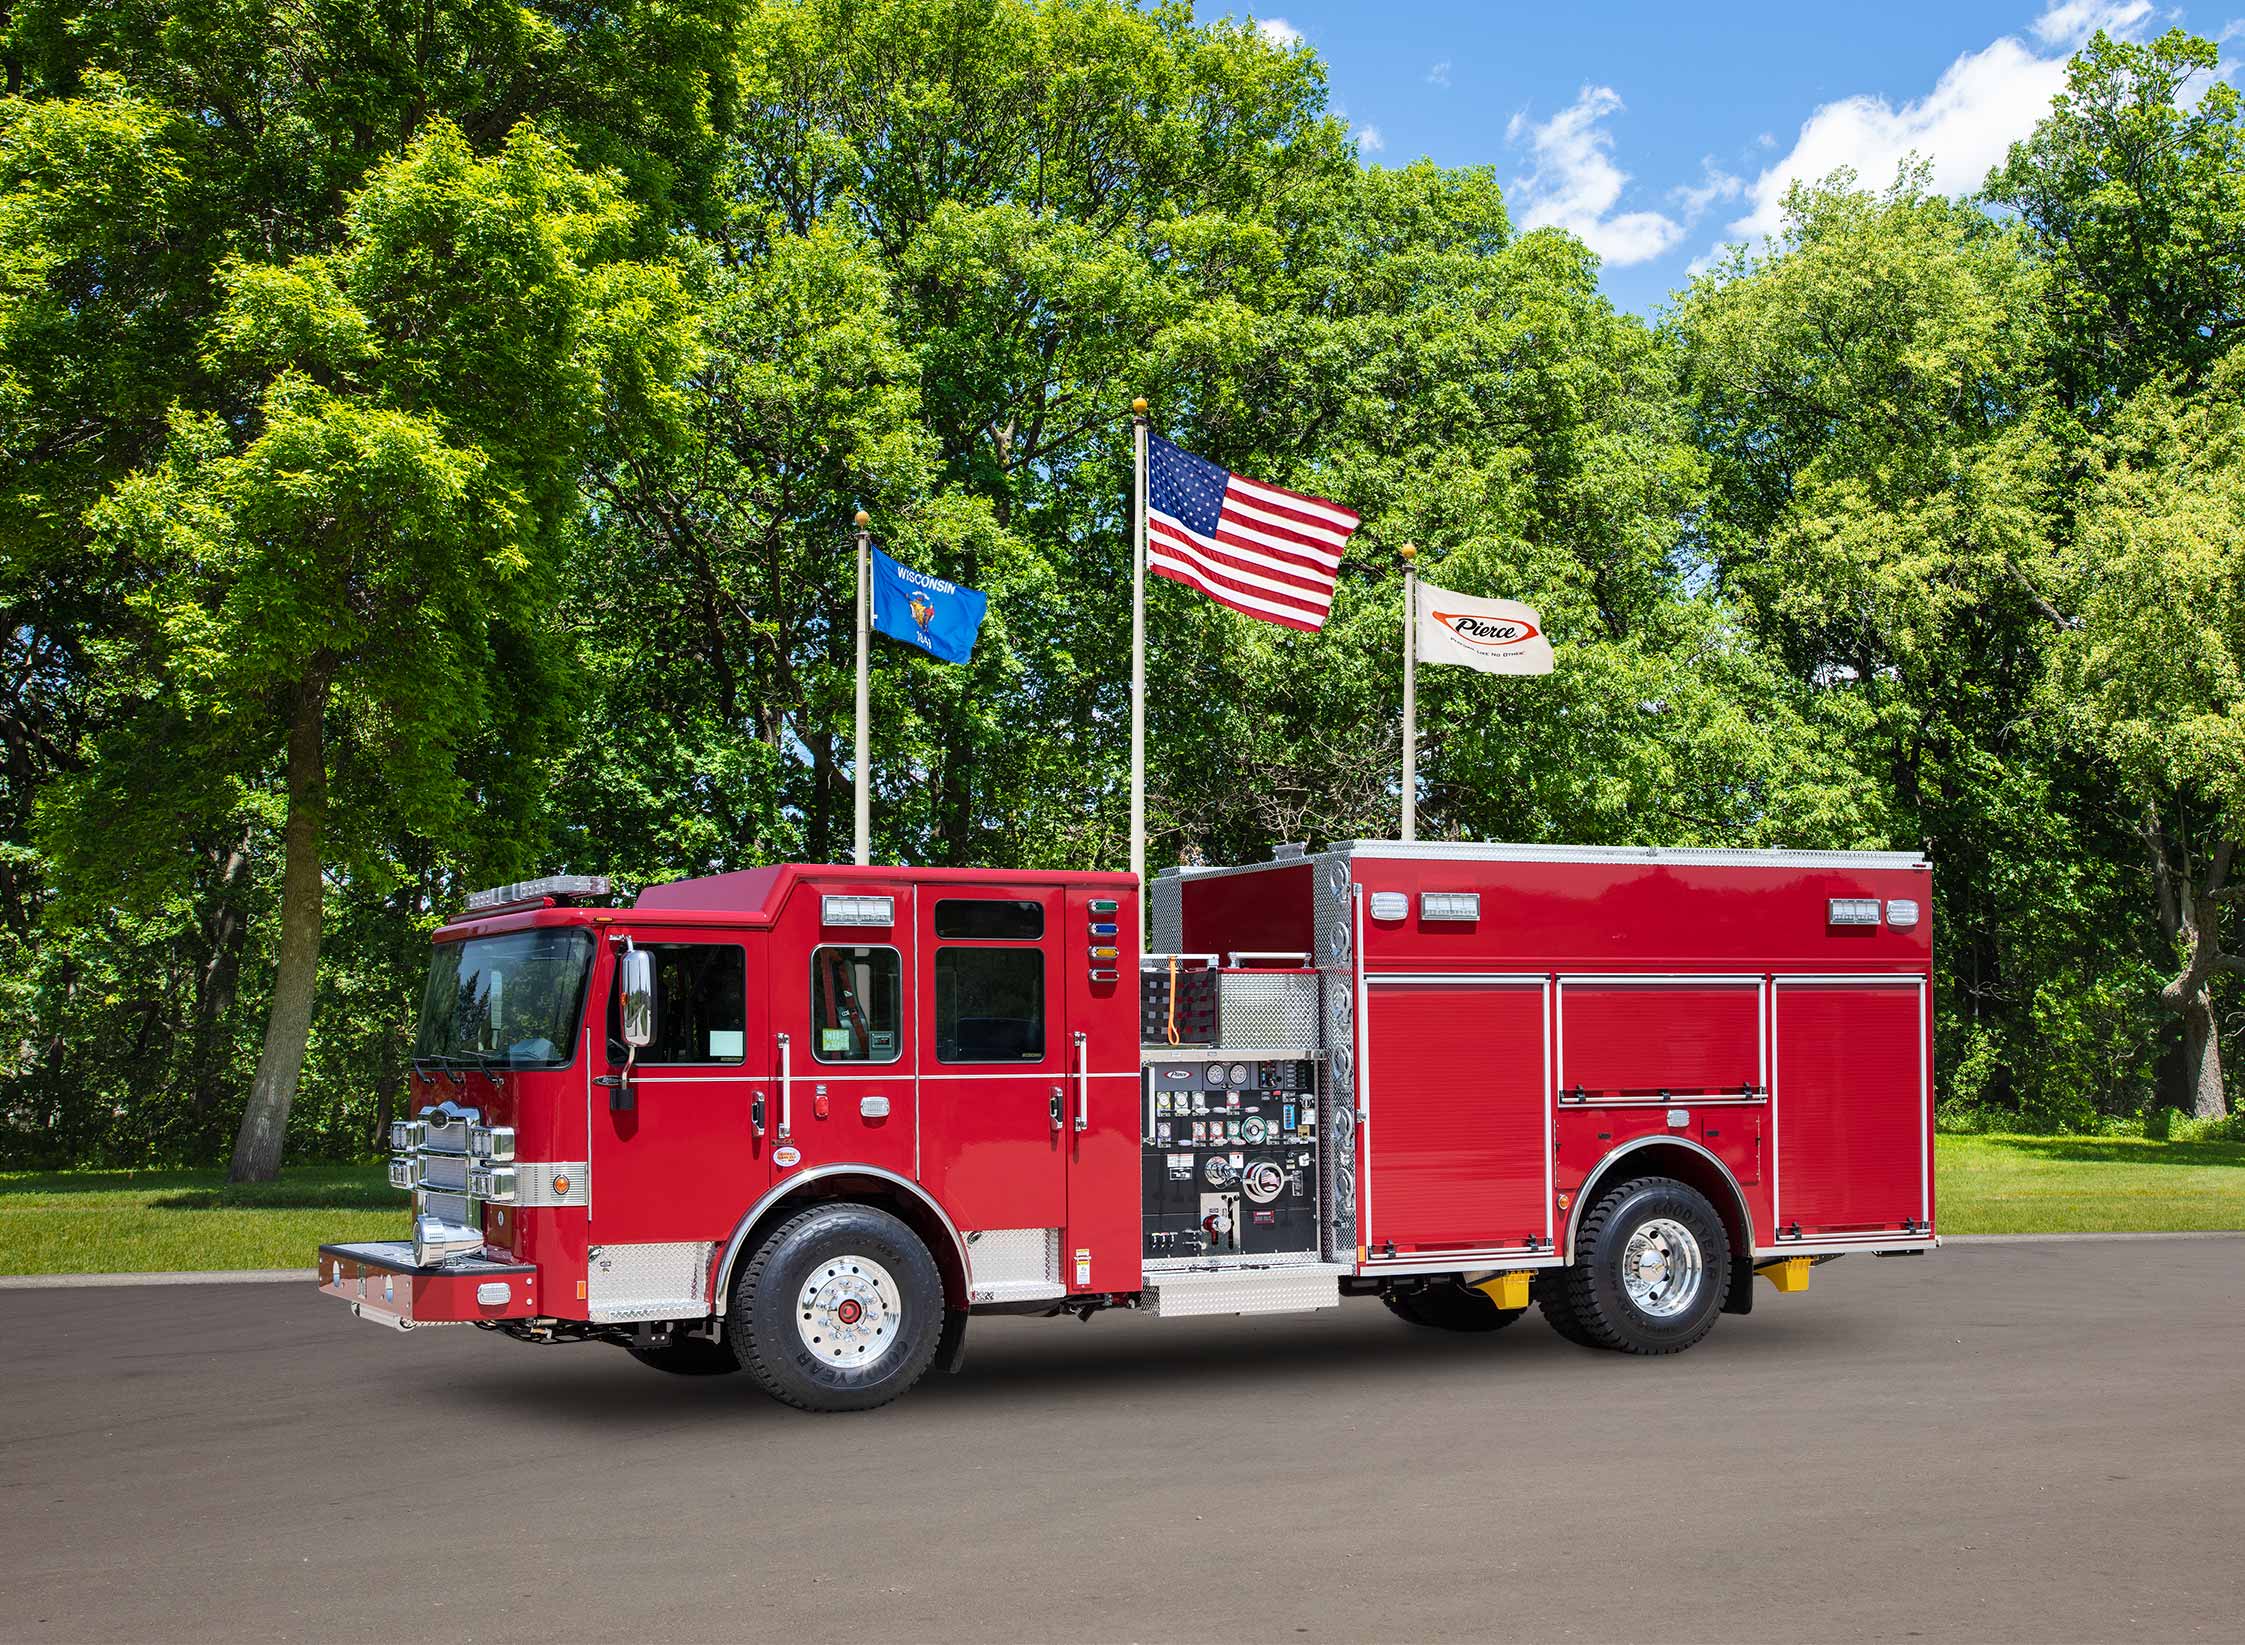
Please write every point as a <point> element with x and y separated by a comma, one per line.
<point>675,1154</point>
<point>994,1060</point>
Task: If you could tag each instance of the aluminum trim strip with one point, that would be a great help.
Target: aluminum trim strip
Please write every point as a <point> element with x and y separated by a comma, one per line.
<point>1517,979</point>
<point>533,1184</point>
<point>1834,1246</point>
<point>1662,979</point>
<point>795,1180</point>
<point>1462,1263</point>
<point>1738,1194</point>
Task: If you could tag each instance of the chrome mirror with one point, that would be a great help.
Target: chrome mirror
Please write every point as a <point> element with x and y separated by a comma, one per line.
<point>638,998</point>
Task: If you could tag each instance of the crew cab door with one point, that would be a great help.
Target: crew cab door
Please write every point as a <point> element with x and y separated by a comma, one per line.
<point>842,1036</point>
<point>998,1099</point>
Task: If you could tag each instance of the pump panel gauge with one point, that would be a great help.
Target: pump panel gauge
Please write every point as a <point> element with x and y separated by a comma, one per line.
<point>1241,1073</point>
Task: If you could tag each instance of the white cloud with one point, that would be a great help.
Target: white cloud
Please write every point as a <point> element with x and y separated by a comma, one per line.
<point>1984,102</point>
<point>2068,23</point>
<point>1279,32</point>
<point>1370,140</point>
<point>1575,185</point>
<point>1714,184</point>
<point>1439,75</point>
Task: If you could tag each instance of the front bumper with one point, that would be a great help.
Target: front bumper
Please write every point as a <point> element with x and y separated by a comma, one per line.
<point>381,1282</point>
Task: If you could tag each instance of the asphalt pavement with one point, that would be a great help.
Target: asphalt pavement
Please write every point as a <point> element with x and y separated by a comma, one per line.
<point>2030,1442</point>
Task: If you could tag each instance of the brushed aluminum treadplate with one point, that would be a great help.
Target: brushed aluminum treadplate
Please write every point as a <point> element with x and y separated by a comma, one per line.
<point>1235,1291</point>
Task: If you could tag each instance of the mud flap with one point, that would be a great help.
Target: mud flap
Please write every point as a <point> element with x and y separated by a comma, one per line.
<point>951,1342</point>
<point>1739,1297</point>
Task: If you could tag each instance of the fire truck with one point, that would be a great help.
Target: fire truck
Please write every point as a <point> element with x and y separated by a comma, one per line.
<point>805,1122</point>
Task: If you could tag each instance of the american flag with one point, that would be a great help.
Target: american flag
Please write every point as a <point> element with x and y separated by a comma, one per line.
<point>1260,549</point>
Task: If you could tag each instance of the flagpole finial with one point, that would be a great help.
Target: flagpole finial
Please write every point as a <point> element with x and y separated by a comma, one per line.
<point>1408,552</point>
<point>863,519</point>
<point>1138,407</point>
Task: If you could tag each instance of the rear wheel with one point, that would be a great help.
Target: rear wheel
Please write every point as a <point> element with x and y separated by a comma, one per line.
<point>1652,1265</point>
<point>1446,1305</point>
<point>839,1309</point>
<point>685,1356</point>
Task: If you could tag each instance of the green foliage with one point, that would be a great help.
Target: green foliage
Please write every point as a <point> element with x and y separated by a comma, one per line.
<point>507,375</point>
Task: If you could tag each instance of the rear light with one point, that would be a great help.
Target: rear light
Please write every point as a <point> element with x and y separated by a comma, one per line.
<point>407,1135</point>
<point>405,1172</point>
<point>491,1182</point>
<point>491,1142</point>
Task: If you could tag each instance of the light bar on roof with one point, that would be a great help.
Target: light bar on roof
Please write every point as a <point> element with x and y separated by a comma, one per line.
<point>553,885</point>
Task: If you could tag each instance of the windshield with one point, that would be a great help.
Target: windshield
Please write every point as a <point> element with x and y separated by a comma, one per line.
<point>509,1001</point>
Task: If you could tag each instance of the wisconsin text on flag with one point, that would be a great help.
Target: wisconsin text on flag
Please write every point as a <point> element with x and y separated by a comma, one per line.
<point>1259,549</point>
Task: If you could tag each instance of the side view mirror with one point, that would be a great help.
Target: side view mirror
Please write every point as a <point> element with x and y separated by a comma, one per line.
<point>638,976</point>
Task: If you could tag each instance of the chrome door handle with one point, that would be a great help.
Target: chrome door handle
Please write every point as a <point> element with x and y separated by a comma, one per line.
<point>1057,1096</point>
<point>787,1091</point>
<point>1083,1081</point>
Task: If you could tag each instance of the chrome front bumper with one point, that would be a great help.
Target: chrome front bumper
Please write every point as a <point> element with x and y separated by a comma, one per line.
<point>382,1283</point>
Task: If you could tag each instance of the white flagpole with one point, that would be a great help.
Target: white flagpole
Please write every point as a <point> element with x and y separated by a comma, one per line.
<point>1138,666</point>
<point>1410,693</point>
<point>862,785</point>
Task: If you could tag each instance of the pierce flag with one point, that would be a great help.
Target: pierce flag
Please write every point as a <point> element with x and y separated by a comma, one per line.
<point>942,618</point>
<point>1494,636</point>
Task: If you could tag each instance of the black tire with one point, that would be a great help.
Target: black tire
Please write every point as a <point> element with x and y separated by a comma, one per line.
<point>1444,1305</point>
<point>685,1356</point>
<point>1593,1296</point>
<point>835,1256</point>
<point>1558,1312</point>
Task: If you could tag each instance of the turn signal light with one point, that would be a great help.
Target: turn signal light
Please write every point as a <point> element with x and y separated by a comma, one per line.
<point>1106,953</point>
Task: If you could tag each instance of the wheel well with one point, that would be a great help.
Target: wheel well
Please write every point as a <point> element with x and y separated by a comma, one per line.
<point>1666,1158</point>
<point>908,1208</point>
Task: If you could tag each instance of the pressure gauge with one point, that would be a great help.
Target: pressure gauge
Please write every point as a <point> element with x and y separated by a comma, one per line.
<point>1241,1073</point>
<point>1253,1129</point>
<point>1215,1076</point>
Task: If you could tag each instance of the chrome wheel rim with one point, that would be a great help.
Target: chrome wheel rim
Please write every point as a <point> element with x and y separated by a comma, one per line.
<point>849,1310</point>
<point>1661,1268</point>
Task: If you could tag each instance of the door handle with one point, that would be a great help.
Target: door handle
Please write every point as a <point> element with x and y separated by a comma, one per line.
<point>1083,1082</point>
<point>787,1092</point>
<point>1057,1096</point>
<point>756,1113</point>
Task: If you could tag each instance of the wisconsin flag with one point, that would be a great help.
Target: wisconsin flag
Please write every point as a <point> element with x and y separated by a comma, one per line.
<point>941,618</point>
<point>1495,636</point>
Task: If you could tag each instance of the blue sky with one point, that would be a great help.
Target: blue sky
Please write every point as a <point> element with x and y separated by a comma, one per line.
<point>1659,132</point>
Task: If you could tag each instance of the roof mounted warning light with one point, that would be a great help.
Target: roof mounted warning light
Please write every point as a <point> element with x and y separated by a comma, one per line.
<point>529,893</point>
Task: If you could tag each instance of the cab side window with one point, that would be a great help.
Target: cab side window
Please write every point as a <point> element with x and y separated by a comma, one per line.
<point>990,1000</point>
<point>701,1005</point>
<point>857,1004</point>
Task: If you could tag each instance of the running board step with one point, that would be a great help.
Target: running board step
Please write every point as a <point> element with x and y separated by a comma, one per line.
<point>1243,1291</point>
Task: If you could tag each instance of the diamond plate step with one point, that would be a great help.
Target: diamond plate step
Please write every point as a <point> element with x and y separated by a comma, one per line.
<point>1244,1291</point>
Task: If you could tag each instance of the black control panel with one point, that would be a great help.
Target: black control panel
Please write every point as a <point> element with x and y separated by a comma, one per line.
<point>1230,1158</point>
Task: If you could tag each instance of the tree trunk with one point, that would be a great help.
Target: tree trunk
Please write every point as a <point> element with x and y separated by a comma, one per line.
<point>288,1021</point>
<point>2202,1056</point>
<point>215,983</point>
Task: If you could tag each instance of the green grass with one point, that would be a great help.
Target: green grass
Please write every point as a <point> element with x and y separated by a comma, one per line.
<point>91,1222</point>
<point>2044,1185</point>
<point>127,1222</point>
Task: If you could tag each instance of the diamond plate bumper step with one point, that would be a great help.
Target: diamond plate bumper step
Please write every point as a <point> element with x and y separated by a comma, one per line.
<point>1245,1291</point>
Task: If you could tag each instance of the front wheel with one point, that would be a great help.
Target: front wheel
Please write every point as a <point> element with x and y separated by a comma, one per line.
<point>840,1309</point>
<point>1652,1263</point>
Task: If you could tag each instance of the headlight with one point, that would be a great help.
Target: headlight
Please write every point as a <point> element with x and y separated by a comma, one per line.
<point>494,1182</point>
<point>405,1171</point>
<point>407,1135</point>
<point>491,1142</point>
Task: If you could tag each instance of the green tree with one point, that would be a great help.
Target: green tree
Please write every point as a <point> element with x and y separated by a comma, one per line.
<point>2150,677</point>
<point>368,568</point>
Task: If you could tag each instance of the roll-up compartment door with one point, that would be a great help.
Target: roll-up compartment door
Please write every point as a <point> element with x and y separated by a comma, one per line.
<point>1458,1145</point>
<point>1849,1108</point>
<point>1654,1040</point>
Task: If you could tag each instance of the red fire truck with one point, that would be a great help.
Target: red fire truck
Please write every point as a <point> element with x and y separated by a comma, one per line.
<point>805,1122</point>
